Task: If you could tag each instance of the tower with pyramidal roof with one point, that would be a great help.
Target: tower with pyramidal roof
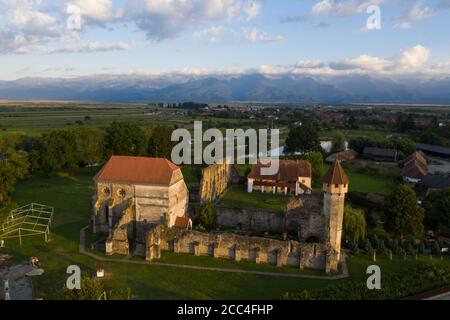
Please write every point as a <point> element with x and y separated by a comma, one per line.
<point>335,187</point>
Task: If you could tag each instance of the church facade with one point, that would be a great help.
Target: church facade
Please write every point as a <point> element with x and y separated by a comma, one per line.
<point>133,193</point>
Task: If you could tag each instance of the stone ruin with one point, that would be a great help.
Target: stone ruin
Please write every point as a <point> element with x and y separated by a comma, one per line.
<point>235,247</point>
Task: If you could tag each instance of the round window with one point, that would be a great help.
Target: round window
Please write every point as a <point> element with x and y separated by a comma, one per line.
<point>122,193</point>
<point>106,191</point>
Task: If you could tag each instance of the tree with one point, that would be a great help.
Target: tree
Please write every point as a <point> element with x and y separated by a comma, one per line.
<point>91,289</point>
<point>437,210</point>
<point>125,139</point>
<point>206,219</point>
<point>354,225</point>
<point>405,124</point>
<point>435,249</point>
<point>92,145</point>
<point>58,150</point>
<point>403,216</point>
<point>160,144</point>
<point>303,139</point>
<point>316,161</point>
<point>13,166</point>
<point>338,143</point>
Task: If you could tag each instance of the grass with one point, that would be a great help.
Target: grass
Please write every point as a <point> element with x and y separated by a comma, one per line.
<point>368,183</point>
<point>70,196</point>
<point>238,196</point>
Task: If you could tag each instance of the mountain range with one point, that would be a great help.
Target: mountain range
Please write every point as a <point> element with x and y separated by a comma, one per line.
<point>288,88</point>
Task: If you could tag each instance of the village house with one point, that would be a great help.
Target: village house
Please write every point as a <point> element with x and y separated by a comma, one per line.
<point>343,156</point>
<point>415,168</point>
<point>380,154</point>
<point>293,177</point>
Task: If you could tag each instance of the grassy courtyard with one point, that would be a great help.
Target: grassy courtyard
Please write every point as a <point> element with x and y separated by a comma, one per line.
<point>238,196</point>
<point>70,195</point>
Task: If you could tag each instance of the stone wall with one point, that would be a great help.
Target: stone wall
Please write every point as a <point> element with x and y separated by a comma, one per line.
<point>303,216</point>
<point>215,181</point>
<point>235,247</point>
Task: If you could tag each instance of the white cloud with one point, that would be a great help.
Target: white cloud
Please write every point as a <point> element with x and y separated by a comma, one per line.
<point>309,64</point>
<point>252,9</point>
<point>166,19</point>
<point>254,35</point>
<point>418,11</point>
<point>342,7</point>
<point>414,57</point>
<point>334,8</point>
<point>212,33</point>
<point>98,11</point>
<point>363,62</point>
<point>92,47</point>
<point>410,60</point>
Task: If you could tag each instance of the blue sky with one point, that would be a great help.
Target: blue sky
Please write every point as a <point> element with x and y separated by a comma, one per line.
<point>221,36</point>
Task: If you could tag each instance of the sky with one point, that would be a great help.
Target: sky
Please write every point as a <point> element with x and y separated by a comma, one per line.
<point>74,38</point>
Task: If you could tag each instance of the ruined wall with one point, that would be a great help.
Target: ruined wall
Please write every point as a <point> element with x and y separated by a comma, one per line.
<point>118,240</point>
<point>253,219</point>
<point>303,215</point>
<point>235,247</point>
<point>215,181</point>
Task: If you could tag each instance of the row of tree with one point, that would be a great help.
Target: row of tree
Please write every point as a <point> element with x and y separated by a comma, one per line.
<point>67,149</point>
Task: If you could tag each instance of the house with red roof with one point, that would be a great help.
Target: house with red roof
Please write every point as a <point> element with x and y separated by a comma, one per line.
<point>292,177</point>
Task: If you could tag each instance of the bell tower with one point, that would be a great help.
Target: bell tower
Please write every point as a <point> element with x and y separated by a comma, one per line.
<point>335,187</point>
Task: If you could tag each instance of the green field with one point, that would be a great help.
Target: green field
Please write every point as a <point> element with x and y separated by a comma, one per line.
<point>367,182</point>
<point>37,118</point>
<point>70,195</point>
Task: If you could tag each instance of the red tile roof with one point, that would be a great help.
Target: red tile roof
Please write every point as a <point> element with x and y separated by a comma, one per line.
<point>137,170</point>
<point>182,223</point>
<point>289,171</point>
<point>336,175</point>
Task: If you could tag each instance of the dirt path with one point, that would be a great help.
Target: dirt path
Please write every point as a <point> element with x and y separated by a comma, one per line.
<point>344,275</point>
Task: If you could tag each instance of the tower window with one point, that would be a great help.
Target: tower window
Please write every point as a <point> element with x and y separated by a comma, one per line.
<point>336,186</point>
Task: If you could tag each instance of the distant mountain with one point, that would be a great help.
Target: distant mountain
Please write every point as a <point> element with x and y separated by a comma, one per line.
<point>287,88</point>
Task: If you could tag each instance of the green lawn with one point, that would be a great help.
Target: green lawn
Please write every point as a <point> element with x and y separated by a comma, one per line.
<point>70,196</point>
<point>368,183</point>
<point>238,196</point>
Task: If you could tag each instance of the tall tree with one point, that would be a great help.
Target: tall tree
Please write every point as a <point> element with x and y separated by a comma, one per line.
<point>58,151</point>
<point>206,219</point>
<point>303,139</point>
<point>92,145</point>
<point>437,210</point>
<point>316,160</point>
<point>354,225</point>
<point>160,144</point>
<point>13,166</point>
<point>125,139</point>
<point>403,216</point>
<point>338,143</point>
